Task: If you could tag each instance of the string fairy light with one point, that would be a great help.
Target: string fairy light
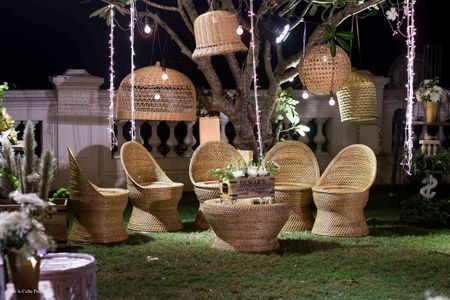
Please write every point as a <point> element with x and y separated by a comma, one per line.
<point>411,46</point>
<point>255,82</point>
<point>111,133</point>
<point>132,77</point>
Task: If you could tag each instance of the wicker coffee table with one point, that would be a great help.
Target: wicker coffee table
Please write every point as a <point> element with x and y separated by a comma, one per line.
<point>244,226</point>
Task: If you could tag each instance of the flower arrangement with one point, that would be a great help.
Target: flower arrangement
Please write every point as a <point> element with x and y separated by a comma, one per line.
<point>19,231</point>
<point>6,123</point>
<point>252,169</point>
<point>430,91</point>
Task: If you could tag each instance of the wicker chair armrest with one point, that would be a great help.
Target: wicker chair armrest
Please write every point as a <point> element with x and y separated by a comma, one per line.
<point>112,191</point>
<point>334,189</point>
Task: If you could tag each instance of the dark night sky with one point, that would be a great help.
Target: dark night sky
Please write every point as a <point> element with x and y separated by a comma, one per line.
<point>41,38</point>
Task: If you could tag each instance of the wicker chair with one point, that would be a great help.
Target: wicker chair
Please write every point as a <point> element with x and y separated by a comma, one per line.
<point>208,156</point>
<point>342,193</point>
<point>97,212</point>
<point>154,196</point>
<point>299,172</point>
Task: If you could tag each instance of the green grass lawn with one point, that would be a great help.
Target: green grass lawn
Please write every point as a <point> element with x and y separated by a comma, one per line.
<point>395,261</point>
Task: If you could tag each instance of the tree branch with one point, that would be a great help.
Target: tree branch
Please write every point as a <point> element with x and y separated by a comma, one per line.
<point>235,70</point>
<point>160,6</point>
<point>268,66</point>
<point>185,18</point>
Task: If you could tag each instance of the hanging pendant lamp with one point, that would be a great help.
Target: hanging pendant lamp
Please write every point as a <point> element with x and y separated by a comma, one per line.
<point>215,34</point>
<point>323,73</point>
<point>159,94</point>
<point>358,99</point>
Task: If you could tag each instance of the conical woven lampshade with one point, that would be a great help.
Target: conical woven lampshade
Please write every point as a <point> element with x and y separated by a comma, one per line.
<point>176,100</point>
<point>323,73</point>
<point>358,99</point>
<point>215,33</point>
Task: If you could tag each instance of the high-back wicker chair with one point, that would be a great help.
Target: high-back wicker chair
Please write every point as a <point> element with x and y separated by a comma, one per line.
<point>208,156</point>
<point>154,196</point>
<point>98,212</point>
<point>342,193</point>
<point>298,173</point>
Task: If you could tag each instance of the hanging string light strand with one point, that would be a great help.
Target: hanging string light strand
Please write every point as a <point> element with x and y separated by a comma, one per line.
<point>132,77</point>
<point>255,81</point>
<point>111,133</point>
<point>411,45</point>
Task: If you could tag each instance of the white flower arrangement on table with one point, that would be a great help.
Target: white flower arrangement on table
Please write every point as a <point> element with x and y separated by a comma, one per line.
<point>19,231</point>
<point>430,91</point>
<point>252,169</point>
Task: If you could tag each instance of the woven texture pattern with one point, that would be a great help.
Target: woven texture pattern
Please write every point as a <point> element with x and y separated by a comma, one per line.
<point>176,100</point>
<point>246,227</point>
<point>215,34</point>
<point>342,193</point>
<point>299,172</point>
<point>322,73</point>
<point>97,212</point>
<point>358,99</point>
<point>154,196</point>
<point>208,156</point>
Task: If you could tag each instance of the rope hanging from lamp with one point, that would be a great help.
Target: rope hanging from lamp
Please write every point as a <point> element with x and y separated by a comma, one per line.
<point>111,133</point>
<point>255,83</point>
<point>132,76</point>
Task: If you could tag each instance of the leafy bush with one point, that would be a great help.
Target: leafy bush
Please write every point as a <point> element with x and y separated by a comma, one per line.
<point>422,163</point>
<point>433,212</point>
<point>60,193</point>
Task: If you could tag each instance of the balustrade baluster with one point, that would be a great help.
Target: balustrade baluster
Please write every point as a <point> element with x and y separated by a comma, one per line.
<point>189,139</point>
<point>154,139</point>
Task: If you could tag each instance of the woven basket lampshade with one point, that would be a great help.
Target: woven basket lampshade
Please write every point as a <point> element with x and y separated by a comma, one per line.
<point>358,99</point>
<point>215,33</point>
<point>172,99</point>
<point>323,73</point>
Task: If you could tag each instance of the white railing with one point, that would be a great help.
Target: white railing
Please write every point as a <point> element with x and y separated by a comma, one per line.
<point>75,115</point>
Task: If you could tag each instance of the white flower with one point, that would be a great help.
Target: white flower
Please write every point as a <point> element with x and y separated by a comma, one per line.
<point>33,177</point>
<point>30,199</point>
<point>392,14</point>
<point>238,173</point>
<point>252,171</point>
<point>429,91</point>
<point>262,171</point>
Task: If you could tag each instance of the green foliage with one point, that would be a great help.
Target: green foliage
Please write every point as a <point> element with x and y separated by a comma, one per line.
<point>422,163</point>
<point>334,37</point>
<point>224,174</point>
<point>60,193</point>
<point>433,212</point>
<point>3,87</point>
<point>285,108</point>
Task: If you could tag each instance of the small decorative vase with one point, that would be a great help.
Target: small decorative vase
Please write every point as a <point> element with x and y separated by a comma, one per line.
<point>25,274</point>
<point>431,110</point>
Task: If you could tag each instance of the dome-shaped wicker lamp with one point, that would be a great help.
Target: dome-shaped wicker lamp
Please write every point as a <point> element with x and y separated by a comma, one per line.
<point>323,73</point>
<point>170,99</point>
<point>215,33</point>
<point>358,98</point>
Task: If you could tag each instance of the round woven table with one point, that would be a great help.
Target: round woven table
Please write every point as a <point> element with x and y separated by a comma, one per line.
<point>72,275</point>
<point>244,226</point>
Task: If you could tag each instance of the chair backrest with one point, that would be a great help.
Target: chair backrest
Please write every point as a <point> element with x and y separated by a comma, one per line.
<point>78,181</point>
<point>139,164</point>
<point>212,155</point>
<point>354,166</point>
<point>297,163</point>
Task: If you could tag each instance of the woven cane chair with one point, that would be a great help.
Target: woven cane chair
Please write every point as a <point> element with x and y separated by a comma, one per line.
<point>154,196</point>
<point>208,156</point>
<point>97,212</point>
<point>342,193</point>
<point>299,172</point>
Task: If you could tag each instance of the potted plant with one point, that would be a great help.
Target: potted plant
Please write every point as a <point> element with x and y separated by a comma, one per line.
<point>23,240</point>
<point>248,181</point>
<point>431,95</point>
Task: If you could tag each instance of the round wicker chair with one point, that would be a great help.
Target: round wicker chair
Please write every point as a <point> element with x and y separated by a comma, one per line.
<point>97,212</point>
<point>154,196</point>
<point>299,172</point>
<point>342,193</point>
<point>208,156</point>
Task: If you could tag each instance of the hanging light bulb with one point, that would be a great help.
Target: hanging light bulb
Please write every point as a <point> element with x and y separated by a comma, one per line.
<point>164,75</point>
<point>239,30</point>
<point>332,102</point>
<point>147,28</point>
<point>157,96</point>
<point>305,94</point>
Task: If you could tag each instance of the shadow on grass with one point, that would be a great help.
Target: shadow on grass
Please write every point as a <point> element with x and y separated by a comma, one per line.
<point>397,230</point>
<point>137,239</point>
<point>306,246</point>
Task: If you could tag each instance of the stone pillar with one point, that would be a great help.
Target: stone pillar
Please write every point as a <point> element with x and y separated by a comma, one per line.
<point>81,124</point>
<point>171,141</point>
<point>154,139</point>
<point>189,139</point>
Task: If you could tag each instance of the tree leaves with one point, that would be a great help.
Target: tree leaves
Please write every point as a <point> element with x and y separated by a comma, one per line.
<point>337,37</point>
